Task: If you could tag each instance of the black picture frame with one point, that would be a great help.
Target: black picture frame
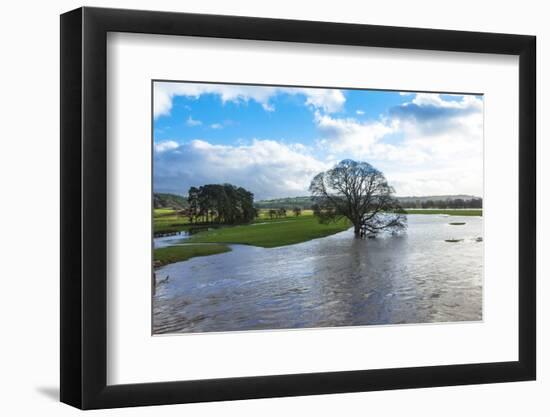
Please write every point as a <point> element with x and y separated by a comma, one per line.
<point>84,207</point>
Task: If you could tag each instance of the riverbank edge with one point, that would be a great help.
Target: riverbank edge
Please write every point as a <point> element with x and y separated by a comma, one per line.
<point>179,253</point>
<point>198,245</point>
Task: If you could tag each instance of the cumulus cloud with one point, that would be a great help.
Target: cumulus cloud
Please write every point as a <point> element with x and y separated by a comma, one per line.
<point>431,144</point>
<point>268,168</point>
<point>451,179</point>
<point>427,145</point>
<point>347,135</point>
<point>432,114</point>
<point>164,92</point>
<point>329,100</point>
<point>430,120</point>
<point>165,145</point>
<point>192,122</point>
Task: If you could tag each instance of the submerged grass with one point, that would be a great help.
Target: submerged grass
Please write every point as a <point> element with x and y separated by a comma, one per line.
<point>171,254</point>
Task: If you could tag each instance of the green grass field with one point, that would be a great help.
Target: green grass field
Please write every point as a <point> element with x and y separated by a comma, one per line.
<point>264,214</point>
<point>265,232</point>
<point>450,212</point>
<point>171,254</point>
<point>272,233</point>
<point>165,220</point>
<point>162,212</point>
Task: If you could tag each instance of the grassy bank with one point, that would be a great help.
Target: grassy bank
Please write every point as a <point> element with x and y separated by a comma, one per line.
<point>167,220</point>
<point>269,233</point>
<point>264,214</point>
<point>171,254</point>
<point>265,232</point>
<point>450,212</point>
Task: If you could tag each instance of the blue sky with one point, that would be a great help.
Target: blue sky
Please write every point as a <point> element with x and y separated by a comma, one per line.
<point>273,140</point>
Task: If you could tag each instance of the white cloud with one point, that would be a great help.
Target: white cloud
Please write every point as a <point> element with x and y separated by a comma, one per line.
<point>192,122</point>
<point>216,126</point>
<point>349,136</point>
<point>329,100</point>
<point>430,114</point>
<point>165,146</point>
<point>164,92</point>
<point>465,103</point>
<point>428,146</point>
<point>359,112</point>
<point>266,167</point>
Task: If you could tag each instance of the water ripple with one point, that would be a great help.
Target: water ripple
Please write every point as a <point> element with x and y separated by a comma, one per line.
<point>333,281</point>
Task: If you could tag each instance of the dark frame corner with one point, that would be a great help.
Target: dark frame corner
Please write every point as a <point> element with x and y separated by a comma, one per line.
<point>83,207</point>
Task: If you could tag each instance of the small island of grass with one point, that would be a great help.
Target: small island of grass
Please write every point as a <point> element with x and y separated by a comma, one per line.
<point>171,254</point>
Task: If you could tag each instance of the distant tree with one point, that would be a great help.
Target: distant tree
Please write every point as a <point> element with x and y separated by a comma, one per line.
<point>297,211</point>
<point>193,200</point>
<point>281,212</point>
<point>182,213</point>
<point>222,203</point>
<point>360,193</point>
<point>272,213</point>
<point>476,203</point>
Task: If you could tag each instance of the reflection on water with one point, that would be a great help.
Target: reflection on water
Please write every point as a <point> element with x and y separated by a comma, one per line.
<point>416,277</point>
<point>175,238</point>
<point>171,239</point>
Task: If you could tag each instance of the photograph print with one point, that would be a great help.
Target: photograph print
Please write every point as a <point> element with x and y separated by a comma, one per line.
<point>291,207</point>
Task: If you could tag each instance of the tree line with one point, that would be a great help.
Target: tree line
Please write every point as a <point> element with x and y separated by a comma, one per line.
<point>440,202</point>
<point>220,203</point>
<point>276,213</point>
<point>457,203</point>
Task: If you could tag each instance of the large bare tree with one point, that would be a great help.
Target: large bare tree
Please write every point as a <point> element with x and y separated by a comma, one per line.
<point>360,193</point>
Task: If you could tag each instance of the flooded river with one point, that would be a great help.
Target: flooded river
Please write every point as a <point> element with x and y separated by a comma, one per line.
<point>416,277</point>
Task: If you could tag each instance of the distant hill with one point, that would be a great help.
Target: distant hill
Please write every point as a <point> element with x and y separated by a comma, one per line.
<point>164,200</point>
<point>289,202</point>
<point>457,201</point>
<point>422,199</point>
<point>307,202</point>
